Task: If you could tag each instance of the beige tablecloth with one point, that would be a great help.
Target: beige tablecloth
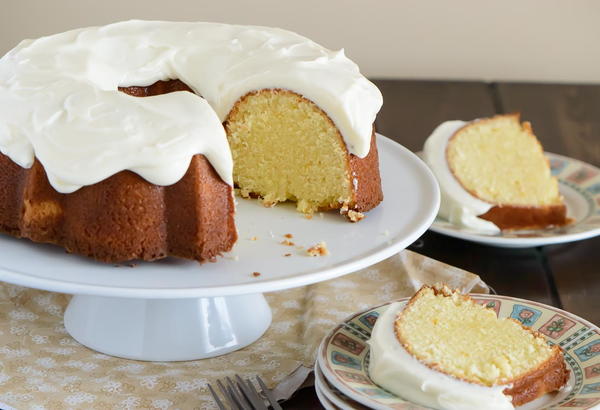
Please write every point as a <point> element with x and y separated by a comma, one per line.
<point>42,367</point>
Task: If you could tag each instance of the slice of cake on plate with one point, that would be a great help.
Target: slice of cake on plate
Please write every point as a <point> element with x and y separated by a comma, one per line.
<point>493,175</point>
<point>445,351</point>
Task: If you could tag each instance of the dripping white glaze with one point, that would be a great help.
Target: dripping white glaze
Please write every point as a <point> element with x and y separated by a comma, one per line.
<point>59,98</point>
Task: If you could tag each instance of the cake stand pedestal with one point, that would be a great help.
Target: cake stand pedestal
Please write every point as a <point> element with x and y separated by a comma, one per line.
<point>167,329</point>
<point>176,309</point>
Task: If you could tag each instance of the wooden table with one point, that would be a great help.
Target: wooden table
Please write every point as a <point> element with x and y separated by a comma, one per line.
<point>566,119</point>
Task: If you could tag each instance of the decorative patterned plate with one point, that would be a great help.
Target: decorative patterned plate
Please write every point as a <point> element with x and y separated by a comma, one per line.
<point>332,395</point>
<point>324,400</point>
<point>343,356</point>
<point>579,183</point>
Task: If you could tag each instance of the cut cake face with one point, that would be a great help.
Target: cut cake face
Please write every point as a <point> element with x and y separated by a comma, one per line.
<point>449,332</point>
<point>285,148</point>
<point>499,160</point>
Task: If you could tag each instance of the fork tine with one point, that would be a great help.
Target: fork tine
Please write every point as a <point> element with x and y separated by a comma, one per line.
<point>216,397</point>
<point>228,395</point>
<point>222,388</point>
<point>248,390</point>
<point>268,394</point>
<point>235,403</point>
<point>239,397</point>
<point>254,391</point>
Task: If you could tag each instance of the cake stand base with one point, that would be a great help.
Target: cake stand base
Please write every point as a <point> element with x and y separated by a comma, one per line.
<point>167,329</point>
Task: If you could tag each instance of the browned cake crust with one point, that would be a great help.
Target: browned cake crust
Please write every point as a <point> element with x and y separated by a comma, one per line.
<point>548,377</point>
<point>159,87</point>
<point>366,192</point>
<point>123,217</point>
<point>508,217</point>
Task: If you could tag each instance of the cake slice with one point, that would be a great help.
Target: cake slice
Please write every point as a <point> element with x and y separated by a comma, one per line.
<point>494,169</point>
<point>444,350</point>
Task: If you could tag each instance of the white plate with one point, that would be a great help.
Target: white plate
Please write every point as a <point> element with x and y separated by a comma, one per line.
<point>579,183</point>
<point>410,205</point>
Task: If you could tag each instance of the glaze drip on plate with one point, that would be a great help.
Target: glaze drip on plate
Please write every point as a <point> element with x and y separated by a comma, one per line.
<point>59,98</point>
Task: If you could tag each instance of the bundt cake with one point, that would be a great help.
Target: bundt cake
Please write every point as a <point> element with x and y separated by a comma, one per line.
<point>86,164</point>
<point>493,175</point>
<point>443,350</point>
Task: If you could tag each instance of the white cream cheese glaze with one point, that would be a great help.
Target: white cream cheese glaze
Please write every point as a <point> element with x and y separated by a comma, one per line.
<point>457,205</point>
<point>59,100</point>
<point>394,369</point>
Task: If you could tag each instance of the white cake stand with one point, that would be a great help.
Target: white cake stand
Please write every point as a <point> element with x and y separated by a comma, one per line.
<point>180,310</point>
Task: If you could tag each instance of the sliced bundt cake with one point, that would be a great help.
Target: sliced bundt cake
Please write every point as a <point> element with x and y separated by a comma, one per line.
<point>114,177</point>
<point>461,355</point>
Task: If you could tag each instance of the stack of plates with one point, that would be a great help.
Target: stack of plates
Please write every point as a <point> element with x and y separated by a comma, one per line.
<point>341,372</point>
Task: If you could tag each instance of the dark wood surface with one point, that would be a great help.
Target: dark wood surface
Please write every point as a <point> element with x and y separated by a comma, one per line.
<point>566,119</point>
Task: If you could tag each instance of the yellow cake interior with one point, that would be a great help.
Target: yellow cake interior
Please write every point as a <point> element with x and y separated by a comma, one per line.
<point>500,160</point>
<point>285,148</point>
<point>451,333</point>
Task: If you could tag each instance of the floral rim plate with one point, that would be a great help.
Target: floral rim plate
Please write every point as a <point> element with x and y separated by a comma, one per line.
<point>332,396</point>
<point>343,355</point>
<point>579,183</point>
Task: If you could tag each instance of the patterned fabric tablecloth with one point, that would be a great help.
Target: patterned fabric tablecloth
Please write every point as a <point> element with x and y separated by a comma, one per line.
<point>42,367</point>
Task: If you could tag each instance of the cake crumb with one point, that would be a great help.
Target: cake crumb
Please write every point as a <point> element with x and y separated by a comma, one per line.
<point>288,254</point>
<point>300,247</point>
<point>254,238</point>
<point>244,193</point>
<point>287,243</point>
<point>355,216</point>
<point>351,214</point>
<point>321,215</point>
<point>308,216</point>
<point>269,204</point>
<point>289,235</point>
<point>256,274</point>
<point>132,265</point>
<point>319,249</point>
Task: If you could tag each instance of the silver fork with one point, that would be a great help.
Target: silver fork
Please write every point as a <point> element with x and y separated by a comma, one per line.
<point>242,395</point>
